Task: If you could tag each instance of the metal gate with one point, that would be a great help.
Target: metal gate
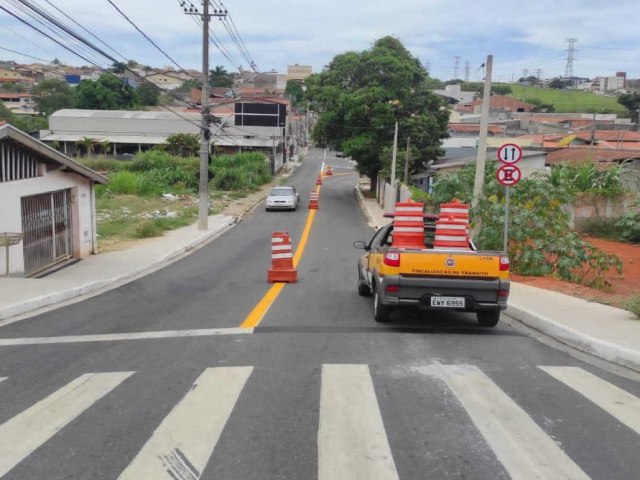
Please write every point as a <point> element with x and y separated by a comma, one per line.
<point>46,225</point>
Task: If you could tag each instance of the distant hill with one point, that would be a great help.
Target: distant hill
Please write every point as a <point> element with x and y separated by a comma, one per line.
<point>566,101</point>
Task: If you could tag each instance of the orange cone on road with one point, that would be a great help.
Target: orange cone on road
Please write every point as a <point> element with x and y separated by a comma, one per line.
<point>314,203</point>
<point>319,180</point>
<point>328,170</point>
<point>282,269</point>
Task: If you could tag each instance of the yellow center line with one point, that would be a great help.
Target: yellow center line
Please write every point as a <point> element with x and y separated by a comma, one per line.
<point>259,311</point>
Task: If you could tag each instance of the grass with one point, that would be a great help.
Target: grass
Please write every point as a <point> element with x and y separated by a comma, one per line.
<point>123,218</point>
<point>633,305</point>
<point>569,101</point>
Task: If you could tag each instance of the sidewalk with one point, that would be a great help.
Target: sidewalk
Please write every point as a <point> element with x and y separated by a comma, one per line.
<point>606,332</point>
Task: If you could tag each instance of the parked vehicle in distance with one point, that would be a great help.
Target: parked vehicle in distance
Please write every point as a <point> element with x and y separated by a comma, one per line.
<point>340,154</point>
<point>282,198</point>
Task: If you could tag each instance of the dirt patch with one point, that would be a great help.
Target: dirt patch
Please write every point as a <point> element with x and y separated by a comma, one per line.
<point>622,286</point>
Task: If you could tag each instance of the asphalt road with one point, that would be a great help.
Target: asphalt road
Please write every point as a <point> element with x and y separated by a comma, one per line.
<point>316,390</point>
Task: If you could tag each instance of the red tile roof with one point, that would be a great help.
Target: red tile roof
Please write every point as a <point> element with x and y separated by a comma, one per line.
<point>583,155</point>
<point>474,127</point>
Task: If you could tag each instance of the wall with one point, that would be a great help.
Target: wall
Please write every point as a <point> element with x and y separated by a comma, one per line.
<point>591,207</point>
<point>11,220</point>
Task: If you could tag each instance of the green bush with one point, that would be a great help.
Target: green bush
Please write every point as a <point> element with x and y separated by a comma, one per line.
<point>244,171</point>
<point>629,227</point>
<point>603,228</point>
<point>633,305</point>
<point>157,226</point>
<point>540,240</point>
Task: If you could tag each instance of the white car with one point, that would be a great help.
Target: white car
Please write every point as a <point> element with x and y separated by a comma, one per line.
<point>282,198</point>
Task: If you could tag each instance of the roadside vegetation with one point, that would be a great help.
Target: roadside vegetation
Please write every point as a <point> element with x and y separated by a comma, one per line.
<point>540,240</point>
<point>158,191</point>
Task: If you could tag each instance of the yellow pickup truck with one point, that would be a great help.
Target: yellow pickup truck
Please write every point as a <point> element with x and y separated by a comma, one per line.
<point>433,279</point>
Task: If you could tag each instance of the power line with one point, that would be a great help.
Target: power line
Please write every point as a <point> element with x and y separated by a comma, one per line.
<point>91,62</point>
<point>89,32</point>
<point>28,41</point>
<point>236,37</point>
<point>149,39</point>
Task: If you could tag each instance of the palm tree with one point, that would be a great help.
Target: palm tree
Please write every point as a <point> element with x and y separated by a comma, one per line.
<point>106,146</point>
<point>219,77</point>
<point>87,143</point>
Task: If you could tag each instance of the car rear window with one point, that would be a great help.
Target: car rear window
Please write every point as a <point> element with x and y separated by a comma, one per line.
<point>281,192</point>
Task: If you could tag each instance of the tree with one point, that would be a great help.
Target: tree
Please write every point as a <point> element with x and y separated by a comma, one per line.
<point>105,145</point>
<point>147,94</point>
<point>107,93</point>
<point>631,101</point>
<point>27,124</point>
<point>52,95</point>
<point>87,143</point>
<point>118,67</point>
<point>294,91</point>
<point>189,84</point>
<point>359,97</point>
<point>183,144</point>
<point>219,77</point>
<point>559,84</point>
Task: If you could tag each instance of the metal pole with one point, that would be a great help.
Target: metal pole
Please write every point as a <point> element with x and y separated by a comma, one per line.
<point>507,201</point>
<point>406,163</point>
<point>393,162</point>
<point>203,204</point>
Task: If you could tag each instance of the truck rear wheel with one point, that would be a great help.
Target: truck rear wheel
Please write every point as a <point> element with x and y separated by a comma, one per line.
<point>488,318</point>
<point>381,313</point>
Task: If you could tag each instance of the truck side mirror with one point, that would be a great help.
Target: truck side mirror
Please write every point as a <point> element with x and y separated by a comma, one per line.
<point>360,245</point>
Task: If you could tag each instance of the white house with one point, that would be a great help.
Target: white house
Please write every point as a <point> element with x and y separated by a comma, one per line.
<point>48,199</point>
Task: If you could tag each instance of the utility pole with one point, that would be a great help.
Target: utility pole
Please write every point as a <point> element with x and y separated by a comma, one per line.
<point>205,133</point>
<point>482,146</point>
<point>571,51</point>
<point>393,163</point>
<point>455,67</point>
<point>406,163</point>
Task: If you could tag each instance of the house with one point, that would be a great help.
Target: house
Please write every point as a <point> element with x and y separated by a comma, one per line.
<point>18,103</point>
<point>169,79</point>
<point>497,103</point>
<point>456,95</point>
<point>49,200</point>
<point>8,76</point>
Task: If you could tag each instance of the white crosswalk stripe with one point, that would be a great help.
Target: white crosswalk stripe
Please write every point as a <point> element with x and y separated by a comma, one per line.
<point>31,428</point>
<point>613,400</point>
<point>522,447</point>
<point>352,441</point>
<point>182,444</point>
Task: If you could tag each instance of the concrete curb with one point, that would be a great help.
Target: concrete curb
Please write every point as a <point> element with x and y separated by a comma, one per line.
<point>365,208</point>
<point>108,283</point>
<point>575,338</point>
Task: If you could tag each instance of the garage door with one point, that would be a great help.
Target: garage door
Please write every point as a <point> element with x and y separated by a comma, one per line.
<point>46,225</point>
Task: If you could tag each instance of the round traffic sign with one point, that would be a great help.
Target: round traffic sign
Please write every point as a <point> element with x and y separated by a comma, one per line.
<point>509,153</point>
<point>508,175</point>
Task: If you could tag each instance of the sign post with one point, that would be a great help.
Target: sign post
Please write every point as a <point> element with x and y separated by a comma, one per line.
<point>508,175</point>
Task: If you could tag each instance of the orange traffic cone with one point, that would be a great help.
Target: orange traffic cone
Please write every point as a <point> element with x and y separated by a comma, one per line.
<point>452,227</point>
<point>314,203</point>
<point>319,180</point>
<point>282,269</point>
<point>408,225</point>
<point>328,170</point>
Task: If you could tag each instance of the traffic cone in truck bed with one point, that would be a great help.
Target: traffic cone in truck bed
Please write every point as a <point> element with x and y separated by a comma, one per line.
<point>282,269</point>
<point>452,227</point>
<point>408,225</point>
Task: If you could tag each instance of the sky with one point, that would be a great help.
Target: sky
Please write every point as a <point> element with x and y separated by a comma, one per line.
<point>520,35</point>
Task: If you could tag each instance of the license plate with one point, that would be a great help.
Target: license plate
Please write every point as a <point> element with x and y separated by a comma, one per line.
<point>447,302</point>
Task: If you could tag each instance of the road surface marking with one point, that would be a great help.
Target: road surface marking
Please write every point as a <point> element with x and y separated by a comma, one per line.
<point>260,310</point>
<point>115,337</point>
<point>352,442</point>
<point>2,379</point>
<point>34,426</point>
<point>181,446</point>
<point>613,400</point>
<point>522,447</point>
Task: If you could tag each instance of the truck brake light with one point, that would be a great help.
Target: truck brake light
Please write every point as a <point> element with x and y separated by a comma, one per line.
<point>392,259</point>
<point>504,263</point>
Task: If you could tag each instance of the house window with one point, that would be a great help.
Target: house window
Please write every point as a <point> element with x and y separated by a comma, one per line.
<point>16,164</point>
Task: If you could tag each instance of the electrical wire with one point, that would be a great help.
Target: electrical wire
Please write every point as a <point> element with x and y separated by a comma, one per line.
<point>253,65</point>
<point>149,39</point>
<point>93,63</point>
<point>233,33</point>
<point>28,41</point>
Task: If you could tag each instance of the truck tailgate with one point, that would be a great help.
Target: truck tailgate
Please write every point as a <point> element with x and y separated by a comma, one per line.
<point>451,264</point>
